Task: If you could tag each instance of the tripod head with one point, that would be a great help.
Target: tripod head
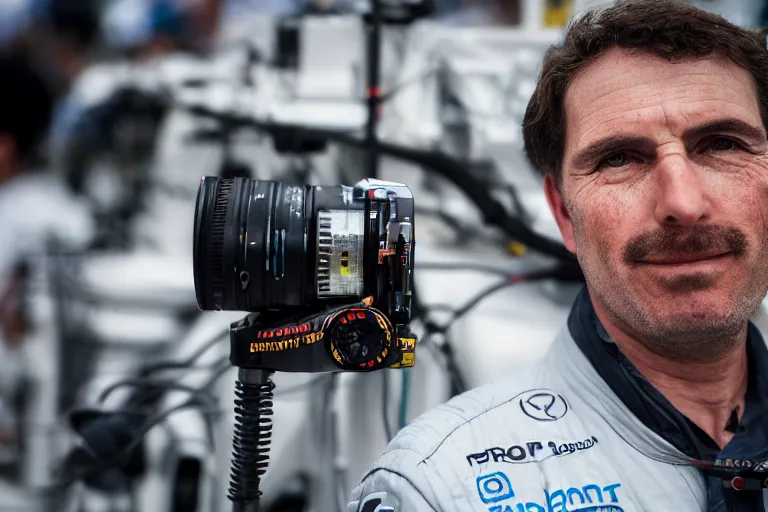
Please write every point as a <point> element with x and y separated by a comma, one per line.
<point>357,337</point>
<point>354,337</point>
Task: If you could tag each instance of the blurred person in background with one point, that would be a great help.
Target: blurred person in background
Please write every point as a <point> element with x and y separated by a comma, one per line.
<point>56,36</point>
<point>146,29</point>
<point>59,42</point>
<point>16,16</point>
<point>65,37</point>
<point>34,206</point>
<point>25,110</point>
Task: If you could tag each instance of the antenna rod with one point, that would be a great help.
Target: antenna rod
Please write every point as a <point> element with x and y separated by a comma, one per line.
<point>373,86</point>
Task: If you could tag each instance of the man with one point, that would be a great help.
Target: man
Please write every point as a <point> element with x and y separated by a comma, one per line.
<point>35,206</point>
<point>648,123</point>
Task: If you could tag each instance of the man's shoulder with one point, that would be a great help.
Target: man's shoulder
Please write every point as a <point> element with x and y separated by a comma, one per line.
<point>467,425</point>
<point>427,433</point>
<point>405,474</point>
<point>512,424</point>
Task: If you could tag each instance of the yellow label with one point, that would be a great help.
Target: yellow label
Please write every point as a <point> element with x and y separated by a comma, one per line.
<point>516,248</point>
<point>344,270</point>
<point>408,360</point>
<point>557,13</point>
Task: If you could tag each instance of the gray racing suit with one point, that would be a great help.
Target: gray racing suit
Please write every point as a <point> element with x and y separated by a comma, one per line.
<point>555,439</point>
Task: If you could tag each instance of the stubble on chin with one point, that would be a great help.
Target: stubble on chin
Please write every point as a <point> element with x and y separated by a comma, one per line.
<point>684,334</point>
<point>684,331</point>
<point>701,336</point>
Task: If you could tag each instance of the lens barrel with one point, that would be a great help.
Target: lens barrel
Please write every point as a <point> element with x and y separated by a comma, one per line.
<point>266,245</point>
<point>250,249</point>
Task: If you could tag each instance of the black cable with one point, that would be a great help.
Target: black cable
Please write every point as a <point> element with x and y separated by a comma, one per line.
<point>164,385</point>
<point>458,383</point>
<point>562,272</point>
<point>116,459</point>
<point>558,272</point>
<point>493,211</point>
<point>449,219</point>
<point>469,305</point>
<point>184,363</point>
<point>152,392</point>
<point>468,267</point>
<point>191,402</point>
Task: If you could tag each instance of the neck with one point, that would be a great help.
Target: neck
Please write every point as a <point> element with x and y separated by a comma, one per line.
<point>706,392</point>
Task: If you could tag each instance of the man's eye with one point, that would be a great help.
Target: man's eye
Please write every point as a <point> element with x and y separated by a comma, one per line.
<point>616,160</point>
<point>723,144</point>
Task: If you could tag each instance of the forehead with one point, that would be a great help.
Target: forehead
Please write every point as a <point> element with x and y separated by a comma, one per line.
<point>623,91</point>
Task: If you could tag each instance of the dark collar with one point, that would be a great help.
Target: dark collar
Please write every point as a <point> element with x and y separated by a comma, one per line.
<point>654,410</point>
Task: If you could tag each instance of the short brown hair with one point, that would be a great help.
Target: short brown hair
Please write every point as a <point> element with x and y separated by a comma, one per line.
<point>666,28</point>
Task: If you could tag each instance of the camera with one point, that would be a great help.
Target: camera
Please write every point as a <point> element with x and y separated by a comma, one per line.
<point>326,271</point>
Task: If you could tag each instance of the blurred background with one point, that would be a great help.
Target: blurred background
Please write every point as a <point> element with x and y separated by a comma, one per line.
<point>110,113</point>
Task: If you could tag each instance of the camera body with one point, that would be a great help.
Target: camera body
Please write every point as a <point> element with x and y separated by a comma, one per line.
<point>325,271</point>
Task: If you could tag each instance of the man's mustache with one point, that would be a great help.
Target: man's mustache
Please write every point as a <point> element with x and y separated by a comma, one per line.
<point>670,242</point>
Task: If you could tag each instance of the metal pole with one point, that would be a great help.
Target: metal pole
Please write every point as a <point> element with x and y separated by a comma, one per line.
<point>533,15</point>
<point>373,86</point>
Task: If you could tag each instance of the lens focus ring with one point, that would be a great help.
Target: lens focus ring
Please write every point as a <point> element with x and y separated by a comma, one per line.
<point>218,221</point>
<point>210,220</point>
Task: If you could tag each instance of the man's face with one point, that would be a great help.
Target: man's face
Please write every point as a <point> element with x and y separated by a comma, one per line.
<point>664,197</point>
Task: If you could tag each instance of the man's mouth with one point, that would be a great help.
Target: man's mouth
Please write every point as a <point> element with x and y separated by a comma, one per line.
<point>684,259</point>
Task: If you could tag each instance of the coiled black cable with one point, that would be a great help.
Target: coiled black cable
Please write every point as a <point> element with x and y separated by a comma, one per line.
<point>254,390</point>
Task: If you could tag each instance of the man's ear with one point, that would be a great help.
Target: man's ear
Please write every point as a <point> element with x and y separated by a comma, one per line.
<point>562,217</point>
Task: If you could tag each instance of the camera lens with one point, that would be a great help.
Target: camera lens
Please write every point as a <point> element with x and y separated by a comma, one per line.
<point>263,245</point>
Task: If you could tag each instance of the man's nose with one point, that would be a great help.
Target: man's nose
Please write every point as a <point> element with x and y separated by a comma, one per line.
<point>681,195</point>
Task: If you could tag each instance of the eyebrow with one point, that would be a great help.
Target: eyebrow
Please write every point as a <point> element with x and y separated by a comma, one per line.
<point>730,125</point>
<point>609,145</point>
<point>613,144</point>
